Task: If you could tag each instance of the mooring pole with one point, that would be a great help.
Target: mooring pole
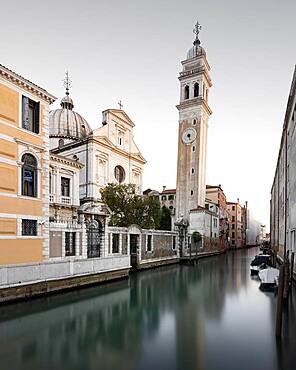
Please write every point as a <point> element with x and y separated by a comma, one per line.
<point>292,267</point>
<point>286,275</point>
<point>279,309</point>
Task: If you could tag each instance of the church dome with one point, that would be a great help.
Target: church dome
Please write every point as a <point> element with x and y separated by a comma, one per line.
<point>66,123</point>
<point>195,51</point>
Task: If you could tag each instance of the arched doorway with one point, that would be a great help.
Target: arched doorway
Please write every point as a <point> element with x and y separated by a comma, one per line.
<point>94,238</point>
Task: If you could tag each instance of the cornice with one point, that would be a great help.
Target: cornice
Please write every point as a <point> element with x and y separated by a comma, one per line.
<point>67,161</point>
<point>25,84</point>
<point>193,102</point>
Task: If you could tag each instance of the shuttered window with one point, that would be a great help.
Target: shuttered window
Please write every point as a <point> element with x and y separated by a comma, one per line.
<point>30,115</point>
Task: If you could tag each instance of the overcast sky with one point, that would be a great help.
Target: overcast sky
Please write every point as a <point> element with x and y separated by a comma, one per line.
<point>131,50</point>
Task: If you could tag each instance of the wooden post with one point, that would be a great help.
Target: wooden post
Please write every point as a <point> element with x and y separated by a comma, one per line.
<point>292,267</point>
<point>286,275</point>
<point>279,309</point>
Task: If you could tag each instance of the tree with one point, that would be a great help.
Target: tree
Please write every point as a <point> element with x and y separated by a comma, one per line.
<point>196,237</point>
<point>165,219</point>
<point>128,208</point>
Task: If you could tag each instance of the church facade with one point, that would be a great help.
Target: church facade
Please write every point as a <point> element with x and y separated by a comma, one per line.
<point>107,154</point>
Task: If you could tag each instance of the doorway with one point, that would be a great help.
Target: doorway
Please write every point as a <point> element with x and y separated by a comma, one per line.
<point>134,244</point>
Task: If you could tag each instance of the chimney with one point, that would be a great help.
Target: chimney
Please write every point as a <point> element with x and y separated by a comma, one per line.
<point>163,188</point>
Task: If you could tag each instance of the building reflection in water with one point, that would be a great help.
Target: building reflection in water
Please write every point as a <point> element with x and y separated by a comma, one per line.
<point>179,317</point>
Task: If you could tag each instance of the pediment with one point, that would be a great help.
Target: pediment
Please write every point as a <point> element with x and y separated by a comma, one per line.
<point>122,116</point>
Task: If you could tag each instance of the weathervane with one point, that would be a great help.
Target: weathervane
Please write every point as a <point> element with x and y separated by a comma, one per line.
<point>67,83</point>
<point>196,31</point>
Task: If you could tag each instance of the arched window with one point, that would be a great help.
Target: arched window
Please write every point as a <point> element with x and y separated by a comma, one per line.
<point>196,90</point>
<point>29,175</point>
<point>61,143</point>
<point>119,174</point>
<point>194,122</point>
<point>186,92</point>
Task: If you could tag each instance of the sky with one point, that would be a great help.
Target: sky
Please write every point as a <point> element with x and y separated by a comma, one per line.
<point>131,50</point>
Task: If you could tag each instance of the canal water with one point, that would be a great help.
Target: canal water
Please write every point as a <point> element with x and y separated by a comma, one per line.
<point>206,317</point>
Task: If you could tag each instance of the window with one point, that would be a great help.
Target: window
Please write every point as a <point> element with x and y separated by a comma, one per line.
<point>186,92</point>
<point>215,222</point>
<point>192,171</point>
<point>65,187</point>
<point>163,197</point>
<point>119,174</point>
<point>50,183</point>
<point>29,175</point>
<point>149,243</point>
<point>232,226</point>
<point>70,239</point>
<point>196,90</point>
<point>115,243</point>
<point>233,235</point>
<point>193,148</point>
<point>191,192</point>
<point>233,208</point>
<point>29,227</point>
<point>61,143</point>
<point>174,243</point>
<point>194,122</point>
<point>30,115</point>
<point>233,218</point>
<point>171,197</point>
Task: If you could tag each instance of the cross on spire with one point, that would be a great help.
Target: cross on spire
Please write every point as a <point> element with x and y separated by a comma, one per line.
<point>67,83</point>
<point>196,31</point>
<point>120,104</point>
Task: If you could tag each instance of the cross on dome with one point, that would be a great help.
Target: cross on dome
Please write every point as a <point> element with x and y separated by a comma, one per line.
<point>67,83</point>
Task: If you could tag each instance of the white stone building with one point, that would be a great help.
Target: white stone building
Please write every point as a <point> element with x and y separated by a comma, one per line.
<point>283,192</point>
<point>107,154</point>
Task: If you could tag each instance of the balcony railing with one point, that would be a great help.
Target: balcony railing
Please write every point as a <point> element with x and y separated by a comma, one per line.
<point>66,200</point>
<point>51,198</point>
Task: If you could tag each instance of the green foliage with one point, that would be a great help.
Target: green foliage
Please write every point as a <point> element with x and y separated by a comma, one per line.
<point>128,208</point>
<point>165,219</point>
<point>196,237</point>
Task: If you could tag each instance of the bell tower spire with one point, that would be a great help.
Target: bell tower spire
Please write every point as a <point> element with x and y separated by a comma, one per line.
<point>194,113</point>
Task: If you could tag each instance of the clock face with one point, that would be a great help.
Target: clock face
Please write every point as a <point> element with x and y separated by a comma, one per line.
<point>189,135</point>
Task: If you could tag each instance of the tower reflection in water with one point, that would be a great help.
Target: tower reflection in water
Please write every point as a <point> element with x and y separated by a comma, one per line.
<point>179,317</point>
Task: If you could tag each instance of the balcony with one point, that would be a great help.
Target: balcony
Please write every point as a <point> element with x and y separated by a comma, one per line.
<point>66,200</point>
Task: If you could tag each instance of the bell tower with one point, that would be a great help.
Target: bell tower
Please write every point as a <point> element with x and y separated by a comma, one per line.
<point>194,112</point>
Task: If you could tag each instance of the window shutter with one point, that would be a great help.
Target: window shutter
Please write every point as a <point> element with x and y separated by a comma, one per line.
<point>25,112</point>
<point>37,115</point>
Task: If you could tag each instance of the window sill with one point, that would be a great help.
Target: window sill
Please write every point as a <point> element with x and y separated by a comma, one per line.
<point>30,198</point>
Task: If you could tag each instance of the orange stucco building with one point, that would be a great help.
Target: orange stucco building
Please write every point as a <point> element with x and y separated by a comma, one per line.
<point>24,169</point>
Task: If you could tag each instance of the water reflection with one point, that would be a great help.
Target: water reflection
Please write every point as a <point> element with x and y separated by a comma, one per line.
<point>211,316</point>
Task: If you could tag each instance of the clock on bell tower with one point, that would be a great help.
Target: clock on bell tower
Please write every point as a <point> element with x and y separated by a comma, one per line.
<point>194,112</point>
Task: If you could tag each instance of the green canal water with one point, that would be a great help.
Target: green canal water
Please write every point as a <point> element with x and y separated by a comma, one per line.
<point>210,316</point>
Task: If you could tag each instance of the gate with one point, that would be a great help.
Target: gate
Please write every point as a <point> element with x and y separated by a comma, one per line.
<point>94,237</point>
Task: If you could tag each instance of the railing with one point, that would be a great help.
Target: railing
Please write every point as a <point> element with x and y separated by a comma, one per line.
<point>66,200</point>
<point>51,198</point>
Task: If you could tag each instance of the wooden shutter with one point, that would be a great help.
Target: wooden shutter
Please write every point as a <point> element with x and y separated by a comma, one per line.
<point>37,118</point>
<point>25,112</point>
